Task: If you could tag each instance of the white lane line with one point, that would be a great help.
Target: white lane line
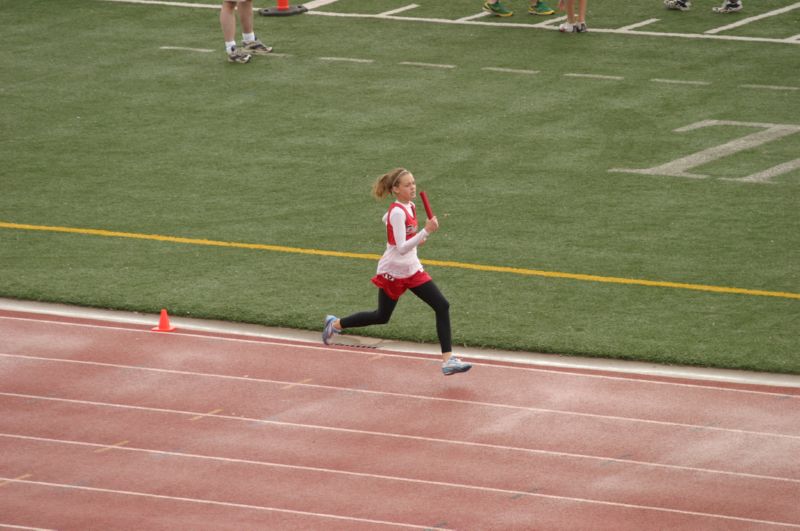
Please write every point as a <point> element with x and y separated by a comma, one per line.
<point>753,19</point>
<point>679,81</point>
<point>11,526</point>
<point>215,503</point>
<point>417,438</point>
<point>638,24</point>
<point>419,358</point>
<point>769,87</point>
<point>595,76</point>
<point>404,396</point>
<point>425,65</point>
<point>505,492</point>
<point>549,23</point>
<point>509,70</point>
<point>184,49</point>
<point>347,59</point>
<point>398,10</point>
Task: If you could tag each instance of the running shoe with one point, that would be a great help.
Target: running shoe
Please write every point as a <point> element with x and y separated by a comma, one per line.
<point>728,6</point>
<point>454,365</point>
<point>236,56</point>
<point>497,9</point>
<point>540,8</point>
<point>580,27</point>
<point>678,5</point>
<point>329,330</point>
<point>256,47</point>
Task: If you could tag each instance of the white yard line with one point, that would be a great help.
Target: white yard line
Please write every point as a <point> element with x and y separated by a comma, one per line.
<point>347,59</point>
<point>183,49</point>
<point>594,76</point>
<point>753,19</point>
<point>769,87</point>
<point>398,10</point>
<point>509,70</point>
<point>482,14</point>
<point>314,4</point>
<point>680,81</point>
<point>425,65</point>
<point>638,24</point>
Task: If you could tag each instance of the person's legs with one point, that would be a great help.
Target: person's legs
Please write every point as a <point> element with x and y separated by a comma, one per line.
<point>227,19</point>
<point>430,294</point>
<point>246,15</point>
<point>386,306</point>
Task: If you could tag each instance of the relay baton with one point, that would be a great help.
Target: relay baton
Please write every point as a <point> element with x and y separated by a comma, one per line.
<point>427,204</point>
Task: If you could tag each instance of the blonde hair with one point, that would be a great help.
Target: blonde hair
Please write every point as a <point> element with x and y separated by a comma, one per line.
<point>386,183</point>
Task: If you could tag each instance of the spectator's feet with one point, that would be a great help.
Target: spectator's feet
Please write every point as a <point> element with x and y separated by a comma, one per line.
<point>329,330</point>
<point>728,6</point>
<point>540,8</point>
<point>566,27</point>
<point>580,27</point>
<point>256,47</point>
<point>454,365</point>
<point>238,56</point>
<point>678,5</point>
<point>497,9</point>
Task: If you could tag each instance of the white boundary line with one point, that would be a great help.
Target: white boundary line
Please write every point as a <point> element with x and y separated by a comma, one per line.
<point>769,87</point>
<point>347,59</point>
<point>425,65</point>
<point>542,25</point>
<point>509,70</point>
<point>314,4</point>
<point>214,503</point>
<point>679,81</point>
<point>778,380</point>
<point>184,49</point>
<point>638,24</point>
<point>10,526</point>
<point>423,398</point>
<point>398,10</point>
<point>753,19</point>
<point>408,480</point>
<point>594,76</point>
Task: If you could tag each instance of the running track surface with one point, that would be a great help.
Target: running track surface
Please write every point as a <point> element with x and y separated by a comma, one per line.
<point>113,426</point>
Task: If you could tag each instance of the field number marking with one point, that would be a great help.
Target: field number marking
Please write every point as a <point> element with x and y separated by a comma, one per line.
<point>680,167</point>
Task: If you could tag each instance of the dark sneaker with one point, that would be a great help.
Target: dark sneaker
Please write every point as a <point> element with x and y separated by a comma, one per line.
<point>237,56</point>
<point>728,7</point>
<point>678,5</point>
<point>580,27</point>
<point>256,47</point>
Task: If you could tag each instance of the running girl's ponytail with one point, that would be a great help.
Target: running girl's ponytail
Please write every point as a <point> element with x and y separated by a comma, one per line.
<point>385,183</point>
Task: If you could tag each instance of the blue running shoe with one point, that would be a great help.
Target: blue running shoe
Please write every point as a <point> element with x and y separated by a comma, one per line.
<point>454,365</point>
<point>329,331</point>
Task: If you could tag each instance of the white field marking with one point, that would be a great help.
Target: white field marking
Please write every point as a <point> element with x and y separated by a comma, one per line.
<point>509,70</point>
<point>766,175</point>
<point>769,87</point>
<point>796,38</point>
<point>595,76</point>
<point>545,25</point>
<point>204,415</point>
<point>388,435</point>
<point>184,49</point>
<point>9,481</point>
<point>314,4</point>
<point>427,357</point>
<point>216,503</point>
<point>680,81</point>
<point>482,14</point>
<point>398,10</point>
<point>493,490</point>
<point>347,59</point>
<point>748,20</point>
<point>425,65</point>
<point>638,24</point>
<point>410,396</point>
<point>101,448</point>
<point>10,526</point>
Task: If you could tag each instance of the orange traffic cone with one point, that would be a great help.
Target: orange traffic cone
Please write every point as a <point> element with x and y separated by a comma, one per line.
<point>163,323</point>
<point>283,9</point>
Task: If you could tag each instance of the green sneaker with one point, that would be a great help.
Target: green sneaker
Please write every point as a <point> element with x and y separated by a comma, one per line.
<point>497,9</point>
<point>540,8</point>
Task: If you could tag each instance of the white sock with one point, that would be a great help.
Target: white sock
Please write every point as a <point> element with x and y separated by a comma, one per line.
<point>229,46</point>
<point>248,37</point>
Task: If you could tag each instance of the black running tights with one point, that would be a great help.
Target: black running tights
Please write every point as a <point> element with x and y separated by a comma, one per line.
<point>428,292</point>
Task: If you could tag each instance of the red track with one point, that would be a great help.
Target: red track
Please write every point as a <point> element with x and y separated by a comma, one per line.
<point>109,426</point>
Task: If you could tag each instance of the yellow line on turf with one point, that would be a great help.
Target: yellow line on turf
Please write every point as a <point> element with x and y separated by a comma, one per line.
<point>439,263</point>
